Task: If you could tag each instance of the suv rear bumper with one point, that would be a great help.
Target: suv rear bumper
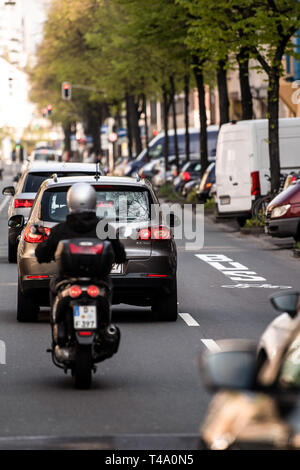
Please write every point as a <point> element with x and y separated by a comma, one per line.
<point>135,289</point>
<point>283,228</point>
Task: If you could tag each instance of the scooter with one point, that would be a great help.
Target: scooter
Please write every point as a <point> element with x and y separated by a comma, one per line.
<point>82,332</point>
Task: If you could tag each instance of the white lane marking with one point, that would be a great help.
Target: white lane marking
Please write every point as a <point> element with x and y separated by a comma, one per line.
<point>3,204</point>
<point>2,352</point>
<point>189,320</point>
<point>211,345</point>
<point>258,286</point>
<point>235,271</point>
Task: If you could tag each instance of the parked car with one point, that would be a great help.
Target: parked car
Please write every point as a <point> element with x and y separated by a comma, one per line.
<point>27,187</point>
<point>283,213</point>
<point>44,154</point>
<point>149,275</point>
<point>191,170</point>
<point>206,186</point>
<point>156,147</point>
<point>243,166</point>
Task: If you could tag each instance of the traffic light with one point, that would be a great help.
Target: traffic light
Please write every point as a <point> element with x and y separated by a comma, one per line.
<point>66,91</point>
<point>49,109</point>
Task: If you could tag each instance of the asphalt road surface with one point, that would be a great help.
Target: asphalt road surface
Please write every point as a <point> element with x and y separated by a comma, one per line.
<point>152,386</point>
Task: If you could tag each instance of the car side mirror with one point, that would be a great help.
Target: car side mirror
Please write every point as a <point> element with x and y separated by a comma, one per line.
<point>288,302</point>
<point>9,191</point>
<point>233,367</point>
<point>16,222</point>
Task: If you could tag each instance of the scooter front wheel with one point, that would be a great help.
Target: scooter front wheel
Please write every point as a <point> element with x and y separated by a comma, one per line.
<point>82,369</point>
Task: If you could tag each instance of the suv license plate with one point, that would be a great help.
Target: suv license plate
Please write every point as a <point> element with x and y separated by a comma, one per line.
<point>117,269</point>
<point>85,317</point>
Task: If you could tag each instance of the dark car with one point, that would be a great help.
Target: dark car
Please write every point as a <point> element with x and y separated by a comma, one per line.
<point>149,275</point>
<point>207,181</point>
<point>283,213</point>
<point>27,187</point>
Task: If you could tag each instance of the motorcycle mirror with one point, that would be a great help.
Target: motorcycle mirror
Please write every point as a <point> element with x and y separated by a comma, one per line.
<point>16,222</point>
<point>288,302</point>
<point>233,367</point>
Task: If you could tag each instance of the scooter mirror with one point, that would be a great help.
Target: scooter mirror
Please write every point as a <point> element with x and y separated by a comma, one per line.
<point>288,302</point>
<point>233,367</point>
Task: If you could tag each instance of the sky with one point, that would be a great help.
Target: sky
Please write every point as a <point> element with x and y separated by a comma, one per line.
<point>34,12</point>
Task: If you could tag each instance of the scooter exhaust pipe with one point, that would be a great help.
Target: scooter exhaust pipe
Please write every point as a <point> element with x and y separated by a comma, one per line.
<point>111,330</point>
<point>63,354</point>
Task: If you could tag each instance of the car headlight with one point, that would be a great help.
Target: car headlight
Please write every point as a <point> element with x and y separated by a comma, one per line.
<point>279,211</point>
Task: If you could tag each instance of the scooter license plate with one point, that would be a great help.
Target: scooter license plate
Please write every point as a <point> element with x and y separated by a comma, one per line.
<point>85,317</point>
<point>117,269</point>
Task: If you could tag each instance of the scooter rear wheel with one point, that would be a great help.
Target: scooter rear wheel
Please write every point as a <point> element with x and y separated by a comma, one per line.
<point>82,370</point>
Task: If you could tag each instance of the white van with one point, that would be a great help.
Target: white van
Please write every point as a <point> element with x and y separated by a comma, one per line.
<point>242,162</point>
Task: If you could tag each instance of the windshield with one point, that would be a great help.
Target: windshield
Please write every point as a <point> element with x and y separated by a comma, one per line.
<point>113,203</point>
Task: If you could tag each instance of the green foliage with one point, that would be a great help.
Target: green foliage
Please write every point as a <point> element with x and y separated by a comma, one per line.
<point>254,222</point>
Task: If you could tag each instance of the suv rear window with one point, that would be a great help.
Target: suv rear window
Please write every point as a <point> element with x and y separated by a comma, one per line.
<point>113,203</point>
<point>34,180</point>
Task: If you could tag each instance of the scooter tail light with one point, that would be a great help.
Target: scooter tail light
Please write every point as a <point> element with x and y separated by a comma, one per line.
<point>93,291</point>
<point>75,291</point>
<point>86,250</point>
<point>255,188</point>
<point>144,234</point>
<point>31,237</point>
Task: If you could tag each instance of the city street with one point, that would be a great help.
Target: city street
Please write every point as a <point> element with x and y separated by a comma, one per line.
<point>152,386</point>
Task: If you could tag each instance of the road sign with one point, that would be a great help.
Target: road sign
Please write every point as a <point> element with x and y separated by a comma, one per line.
<point>113,137</point>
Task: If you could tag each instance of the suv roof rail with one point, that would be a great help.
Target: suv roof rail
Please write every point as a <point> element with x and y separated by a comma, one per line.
<point>55,177</point>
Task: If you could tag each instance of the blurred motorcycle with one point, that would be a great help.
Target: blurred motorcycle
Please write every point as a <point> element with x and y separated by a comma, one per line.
<point>257,388</point>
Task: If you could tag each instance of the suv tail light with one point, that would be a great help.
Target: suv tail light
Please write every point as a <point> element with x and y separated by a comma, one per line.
<point>31,237</point>
<point>25,203</point>
<point>75,291</point>
<point>159,232</point>
<point>93,291</point>
<point>86,249</point>
<point>255,188</point>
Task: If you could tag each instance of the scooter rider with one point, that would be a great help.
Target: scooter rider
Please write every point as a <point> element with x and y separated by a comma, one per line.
<point>80,223</point>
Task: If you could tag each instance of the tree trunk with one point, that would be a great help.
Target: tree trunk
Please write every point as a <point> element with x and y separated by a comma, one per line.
<point>223,92</point>
<point>146,121</point>
<point>135,116</point>
<point>186,115</point>
<point>172,83</point>
<point>95,131</point>
<point>202,115</point>
<point>166,127</point>
<point>67,134</point>
<point>129,127</point>
<point>273,115</point>
<point>247,105</point>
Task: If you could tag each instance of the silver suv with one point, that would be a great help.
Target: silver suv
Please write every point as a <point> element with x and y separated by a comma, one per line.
<point>149,275</point>
<point>27,187</point>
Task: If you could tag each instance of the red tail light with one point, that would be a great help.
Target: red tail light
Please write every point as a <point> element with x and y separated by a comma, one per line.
<point>31,237</point>
<point>159,232</point>
<point>85,249</point>
<point>255,189</point>
<point>293,179</point>
<point>93,291</point>
<point>85,333</point>
<point>25,203</point>
<point>186,176</point>
<point>75,291</point>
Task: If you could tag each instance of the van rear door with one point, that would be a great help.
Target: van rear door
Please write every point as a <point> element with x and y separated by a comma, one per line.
<point>233,177</point>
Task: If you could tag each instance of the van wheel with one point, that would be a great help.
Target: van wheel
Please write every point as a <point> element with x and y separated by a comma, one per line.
<point>27,309</point>
<point>166,308</point>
